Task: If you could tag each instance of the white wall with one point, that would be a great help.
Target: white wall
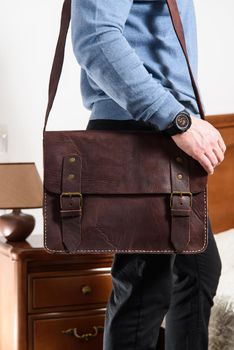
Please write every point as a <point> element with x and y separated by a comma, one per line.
<point>28,32</point>
<point>216,54</point>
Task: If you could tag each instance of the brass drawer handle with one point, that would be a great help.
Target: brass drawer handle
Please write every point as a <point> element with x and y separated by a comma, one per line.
<point>85,336</point>
<point>86,290</point>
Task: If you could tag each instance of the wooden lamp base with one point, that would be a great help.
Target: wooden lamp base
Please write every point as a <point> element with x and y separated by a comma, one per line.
<point>16,226</point>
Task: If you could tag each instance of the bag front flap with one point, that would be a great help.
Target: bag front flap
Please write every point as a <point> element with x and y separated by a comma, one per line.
<point>118,162</point>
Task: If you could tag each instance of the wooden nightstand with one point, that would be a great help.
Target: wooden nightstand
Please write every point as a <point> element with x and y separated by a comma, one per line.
<point>43,297</point>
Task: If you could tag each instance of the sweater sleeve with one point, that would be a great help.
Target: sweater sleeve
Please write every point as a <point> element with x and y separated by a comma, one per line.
<point>102,50</point>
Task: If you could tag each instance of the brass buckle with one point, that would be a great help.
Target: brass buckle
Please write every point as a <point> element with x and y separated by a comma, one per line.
<point>71,194</point>
<point>178,193</point>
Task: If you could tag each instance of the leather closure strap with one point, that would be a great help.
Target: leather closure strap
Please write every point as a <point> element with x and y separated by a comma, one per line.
<point>180,203</point>
<point>71,201</point>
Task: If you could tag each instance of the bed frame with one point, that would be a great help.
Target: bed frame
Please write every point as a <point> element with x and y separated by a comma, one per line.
<point>221,183</point>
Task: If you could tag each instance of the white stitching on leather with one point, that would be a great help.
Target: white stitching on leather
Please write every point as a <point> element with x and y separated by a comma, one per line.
<point>125,250</point>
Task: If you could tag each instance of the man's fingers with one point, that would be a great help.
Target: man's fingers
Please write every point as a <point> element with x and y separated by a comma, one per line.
<point>219,154</point>
<point>206,164</point>
<point>211,155</point>
<point>221,144</point>
<point>211,159</point>
<point>204,143</point>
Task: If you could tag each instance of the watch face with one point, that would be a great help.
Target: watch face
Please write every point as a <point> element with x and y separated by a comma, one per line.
<point>182,121</point>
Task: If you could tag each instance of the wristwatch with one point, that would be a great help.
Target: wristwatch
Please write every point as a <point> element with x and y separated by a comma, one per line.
<point>180,124</point>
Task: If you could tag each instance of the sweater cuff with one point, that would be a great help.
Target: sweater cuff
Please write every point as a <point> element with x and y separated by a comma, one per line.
<point>166,112</point>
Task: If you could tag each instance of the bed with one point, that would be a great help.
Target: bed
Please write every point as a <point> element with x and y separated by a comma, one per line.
<point>221,212</point>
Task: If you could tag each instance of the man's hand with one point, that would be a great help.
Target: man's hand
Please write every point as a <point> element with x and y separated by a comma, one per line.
<point>203,142</point>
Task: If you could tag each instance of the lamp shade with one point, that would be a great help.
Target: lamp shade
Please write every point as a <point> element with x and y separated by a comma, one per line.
<point>20,186</point>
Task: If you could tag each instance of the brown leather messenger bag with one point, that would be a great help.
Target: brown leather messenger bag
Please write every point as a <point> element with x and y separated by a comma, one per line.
<point>120,191</point>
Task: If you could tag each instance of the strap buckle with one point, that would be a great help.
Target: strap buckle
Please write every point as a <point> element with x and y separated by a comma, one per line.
<point>180,193</point>
<point>71,194</point>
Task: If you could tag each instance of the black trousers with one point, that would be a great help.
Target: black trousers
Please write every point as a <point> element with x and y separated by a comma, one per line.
<point>148,287</point>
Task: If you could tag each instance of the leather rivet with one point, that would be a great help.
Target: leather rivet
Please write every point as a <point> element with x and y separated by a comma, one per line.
<point>71,177</point>
<point>179,160</point>
<point>179,176</point>
<point>72,159</point>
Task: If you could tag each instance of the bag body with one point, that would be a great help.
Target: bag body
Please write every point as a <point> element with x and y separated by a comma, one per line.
<point>122,191</point>
<point>119,191</point>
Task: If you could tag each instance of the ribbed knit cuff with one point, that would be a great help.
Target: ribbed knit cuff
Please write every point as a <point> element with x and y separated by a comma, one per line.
<point>166,112</point>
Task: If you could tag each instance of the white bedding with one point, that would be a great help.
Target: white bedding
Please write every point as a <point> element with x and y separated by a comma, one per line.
<point>221,326</point>
<point>225,243</point>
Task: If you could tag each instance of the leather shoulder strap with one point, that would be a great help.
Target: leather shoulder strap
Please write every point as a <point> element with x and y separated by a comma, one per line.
<point>177,24</point>
<point>58,58</point>
<point>60,48</point>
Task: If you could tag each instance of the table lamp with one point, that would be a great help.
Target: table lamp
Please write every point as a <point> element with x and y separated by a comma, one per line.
<point>20,188</point>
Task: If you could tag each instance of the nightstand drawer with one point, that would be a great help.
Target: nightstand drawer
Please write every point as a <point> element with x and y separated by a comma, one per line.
<point>68,289</point>
<point>57,333</point>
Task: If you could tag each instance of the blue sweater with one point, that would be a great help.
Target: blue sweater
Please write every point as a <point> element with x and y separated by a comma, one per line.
<point>132,66</point>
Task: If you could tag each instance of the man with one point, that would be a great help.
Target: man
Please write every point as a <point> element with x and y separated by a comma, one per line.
<point>134,75</point>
